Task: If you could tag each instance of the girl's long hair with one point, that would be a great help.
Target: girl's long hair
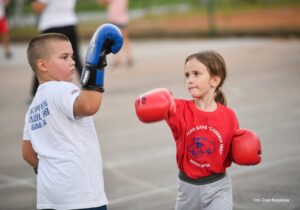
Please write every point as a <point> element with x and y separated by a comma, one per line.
<point>215,65</point>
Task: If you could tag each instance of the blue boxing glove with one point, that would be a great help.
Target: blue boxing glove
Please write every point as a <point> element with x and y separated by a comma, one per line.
<point>107,39</point>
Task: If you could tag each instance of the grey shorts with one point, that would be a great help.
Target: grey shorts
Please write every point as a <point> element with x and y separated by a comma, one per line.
<point>213,196</point>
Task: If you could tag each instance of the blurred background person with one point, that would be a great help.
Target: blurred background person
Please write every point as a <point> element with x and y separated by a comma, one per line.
<point>58,16</point>
<point>117,14</point>
<point>4,29</point>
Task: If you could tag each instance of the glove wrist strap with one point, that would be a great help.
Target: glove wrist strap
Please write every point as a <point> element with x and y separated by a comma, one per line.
<point>92,78</point>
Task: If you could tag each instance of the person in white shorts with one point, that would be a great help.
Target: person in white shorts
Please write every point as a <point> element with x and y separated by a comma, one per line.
<point>56,16</point>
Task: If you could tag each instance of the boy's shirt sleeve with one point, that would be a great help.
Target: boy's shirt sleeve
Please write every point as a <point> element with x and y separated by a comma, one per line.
<point>65,98</point>
<point>26,135</point>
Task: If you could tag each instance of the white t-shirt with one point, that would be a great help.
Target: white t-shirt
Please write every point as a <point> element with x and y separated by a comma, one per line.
<point>70,172</point>
<point>2,9</point>
<point>57,13</point>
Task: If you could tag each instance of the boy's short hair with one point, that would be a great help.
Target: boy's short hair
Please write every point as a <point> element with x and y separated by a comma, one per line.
<point>38,49</point>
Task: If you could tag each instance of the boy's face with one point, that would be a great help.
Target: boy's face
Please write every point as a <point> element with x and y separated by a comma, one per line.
<point>60,63</point>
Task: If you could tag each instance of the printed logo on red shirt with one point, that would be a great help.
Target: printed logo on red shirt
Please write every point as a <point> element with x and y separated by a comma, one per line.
<point>205,144</point>
<point>201,146</point>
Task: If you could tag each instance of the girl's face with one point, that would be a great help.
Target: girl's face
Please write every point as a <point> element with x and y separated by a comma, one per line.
<point>60,64</point>
<point>199,82</point>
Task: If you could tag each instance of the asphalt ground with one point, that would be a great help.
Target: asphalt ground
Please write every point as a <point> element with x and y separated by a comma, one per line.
<point>139,159</point>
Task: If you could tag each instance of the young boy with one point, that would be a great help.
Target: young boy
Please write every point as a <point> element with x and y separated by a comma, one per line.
<point>60,140</point>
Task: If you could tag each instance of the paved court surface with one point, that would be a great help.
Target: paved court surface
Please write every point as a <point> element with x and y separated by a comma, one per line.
<point>139,159</point>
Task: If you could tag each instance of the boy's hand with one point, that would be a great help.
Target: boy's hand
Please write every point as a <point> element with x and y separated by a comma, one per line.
<point>107,38</point>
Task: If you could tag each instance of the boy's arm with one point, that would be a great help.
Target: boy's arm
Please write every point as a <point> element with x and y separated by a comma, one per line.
<point>107,39</point>
<point>87,103</point>
<point>29,155</point>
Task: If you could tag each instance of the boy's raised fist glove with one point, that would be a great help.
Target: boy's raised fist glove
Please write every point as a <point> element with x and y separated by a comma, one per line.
<point>107,39</point>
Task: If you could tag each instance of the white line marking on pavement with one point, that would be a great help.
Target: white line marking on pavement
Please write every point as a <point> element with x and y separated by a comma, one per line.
<point>153,190</point>
<point>11,182</point>
<point>264,165</point>
<point>139,158</point>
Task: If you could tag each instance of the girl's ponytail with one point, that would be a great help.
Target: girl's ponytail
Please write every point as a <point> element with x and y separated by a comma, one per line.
<point>220,97</point>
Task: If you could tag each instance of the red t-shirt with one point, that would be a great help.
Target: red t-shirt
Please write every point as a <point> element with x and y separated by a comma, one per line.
<point>203,139</point>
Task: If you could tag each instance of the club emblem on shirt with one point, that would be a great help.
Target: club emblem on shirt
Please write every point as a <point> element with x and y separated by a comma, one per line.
<point>201,146</point>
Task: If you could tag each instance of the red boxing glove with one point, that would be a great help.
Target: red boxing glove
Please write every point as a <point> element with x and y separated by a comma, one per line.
<point>246,148</point>
<point>155,105</point>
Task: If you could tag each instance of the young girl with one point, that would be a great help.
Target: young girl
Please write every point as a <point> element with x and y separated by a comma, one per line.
<point>203,129</point>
